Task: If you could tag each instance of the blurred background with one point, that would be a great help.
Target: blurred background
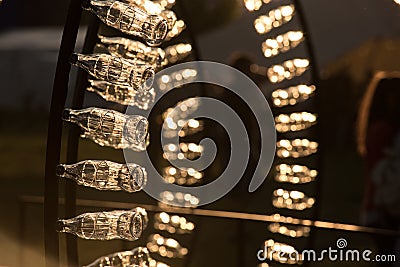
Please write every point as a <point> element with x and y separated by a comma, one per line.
<point>351,42</point>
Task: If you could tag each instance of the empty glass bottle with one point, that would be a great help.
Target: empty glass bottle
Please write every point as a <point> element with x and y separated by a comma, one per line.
<point>137,257</point>
<point>178,28</point>
<point>173,224</point>
<point>178,52</point>
<point>292,95</point>
<point>110,128</point>
<point>154,8</point>
<point>165,3</point>
<point>126,48</point>
<point>149,6</point>
<point>287,70</point>
<point>170,17</point>
<point>282,43</point>
<point>105,175</point>
<point>166,247</point>
<point>117,224</point>
<point>274,19</point>
<point>121,94</point>
<point>129,19</point>
<point>117,70</point>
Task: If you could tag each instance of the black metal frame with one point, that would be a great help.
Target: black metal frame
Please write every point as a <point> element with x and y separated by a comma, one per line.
<point>53,150</point>
<point>60,91</point>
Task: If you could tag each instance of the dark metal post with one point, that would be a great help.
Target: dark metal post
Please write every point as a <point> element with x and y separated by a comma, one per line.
<point>60,90</point>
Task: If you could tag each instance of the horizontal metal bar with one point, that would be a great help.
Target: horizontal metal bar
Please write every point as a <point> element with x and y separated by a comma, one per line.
<point>275,218</point>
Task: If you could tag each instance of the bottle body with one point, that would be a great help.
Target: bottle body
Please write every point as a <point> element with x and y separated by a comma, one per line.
<point>154,8</point>
<point>292,95</point>
<point>170,17</point>
<point>130,20</point>
<point>178,28</point>
<point>138,257</point>
<point>111,128</point>
<point>282,43</point>
<point>127,225</point>
<point>124,95</point>
<point>178,52</point>
<point>134,50</point>
<point>105,175</point>
<point>274,19</point>
<point>117,70</point>
<point>166,247</point>
<point>287,70</point>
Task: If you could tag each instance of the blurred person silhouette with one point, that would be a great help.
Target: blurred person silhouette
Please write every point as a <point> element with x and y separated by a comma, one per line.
<point>378,138</point>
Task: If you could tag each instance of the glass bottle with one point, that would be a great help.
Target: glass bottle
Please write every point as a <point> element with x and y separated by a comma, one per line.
<point>178,52</point>
<point>153,8</point>
<point>166,247</point>
<point>130,49</point>
<point>137,257</point>
<point>117,224</point>
<point>105,175</point>
<point>111,128</point>
<point>121,94</point>
<point>129,19</point>
<point>117,70</point>
<point>287,70</point>
<point>282,43</point>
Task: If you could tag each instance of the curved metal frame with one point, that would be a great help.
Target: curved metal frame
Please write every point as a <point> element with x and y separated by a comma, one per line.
<point>53,150</point>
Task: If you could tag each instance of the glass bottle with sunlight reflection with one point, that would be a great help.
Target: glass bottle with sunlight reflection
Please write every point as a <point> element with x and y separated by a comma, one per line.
<point>122,94</point>
<point>292,95</point>
<point>282,43</point>
<point>287,70</point>
<point>294,122</point>
<point>117,70</point>
<point>295,174</point>
<point>274,19</point>
<point>166,247</point>
<point>129,19</point>
<point>173,224</point>
<point>133,50</point>
<point>296,148</point>
<point>137,257</point>
<point>117,224</point>
<point>105,175</point>
<point>292,200</point>
<point>111,128</point>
